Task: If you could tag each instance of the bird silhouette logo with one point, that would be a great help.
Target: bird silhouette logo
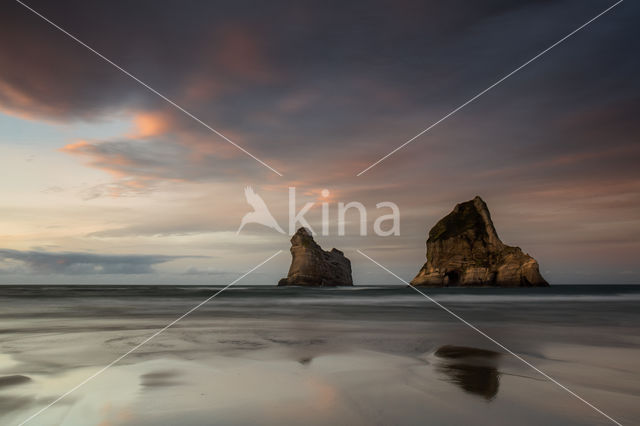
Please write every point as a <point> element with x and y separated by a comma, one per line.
<point>260,213</point>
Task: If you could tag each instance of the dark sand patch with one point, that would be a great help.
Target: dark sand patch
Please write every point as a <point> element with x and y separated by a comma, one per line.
<point>161,378</point>
<point>16,379</point>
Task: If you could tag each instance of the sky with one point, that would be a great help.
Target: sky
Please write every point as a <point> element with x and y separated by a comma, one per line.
<point>105,182</point>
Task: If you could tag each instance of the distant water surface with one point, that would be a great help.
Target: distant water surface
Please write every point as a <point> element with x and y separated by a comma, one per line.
<point>353,356</point>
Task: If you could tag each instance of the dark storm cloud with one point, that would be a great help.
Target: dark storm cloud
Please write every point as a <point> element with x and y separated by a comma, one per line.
<point>46,74</point>
<point>39,262</point>
<point>344,82</point>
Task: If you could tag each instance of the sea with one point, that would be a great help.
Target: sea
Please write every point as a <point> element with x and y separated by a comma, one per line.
<point>362,355</point>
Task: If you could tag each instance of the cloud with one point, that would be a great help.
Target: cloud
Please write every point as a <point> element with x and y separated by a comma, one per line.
<point>69,263</point>
<point>139,166</point>
<point>128,157</point>
<point>206,271</point>
<point>150,124</point>
<point>125,187</point>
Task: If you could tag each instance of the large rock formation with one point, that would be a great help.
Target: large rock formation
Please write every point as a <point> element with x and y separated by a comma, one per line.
<point>312,266</point>
<point>463,249</point>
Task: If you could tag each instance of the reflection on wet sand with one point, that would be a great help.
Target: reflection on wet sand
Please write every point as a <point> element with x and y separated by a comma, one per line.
<point>474,370</point>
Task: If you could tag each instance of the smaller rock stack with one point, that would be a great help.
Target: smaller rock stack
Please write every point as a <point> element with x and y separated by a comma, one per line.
<point>312,266</point>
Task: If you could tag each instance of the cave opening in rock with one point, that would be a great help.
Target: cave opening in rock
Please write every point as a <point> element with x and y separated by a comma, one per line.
<point>453,277</point>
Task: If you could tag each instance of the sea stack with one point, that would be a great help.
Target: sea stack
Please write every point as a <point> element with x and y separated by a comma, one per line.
<point>463,249</point>
<point>313,267</point>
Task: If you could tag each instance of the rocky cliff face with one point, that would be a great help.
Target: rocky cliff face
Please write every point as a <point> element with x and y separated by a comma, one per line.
<point>312,266</point>
<point>463,249</point>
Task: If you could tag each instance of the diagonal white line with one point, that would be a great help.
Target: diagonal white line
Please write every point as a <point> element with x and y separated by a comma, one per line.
<point>149,87</point>
<point>449,311</point>
<point>491,87</point>
<point>102,370</point>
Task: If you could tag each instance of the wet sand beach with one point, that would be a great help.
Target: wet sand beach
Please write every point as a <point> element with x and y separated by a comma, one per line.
<point>359,356</point>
